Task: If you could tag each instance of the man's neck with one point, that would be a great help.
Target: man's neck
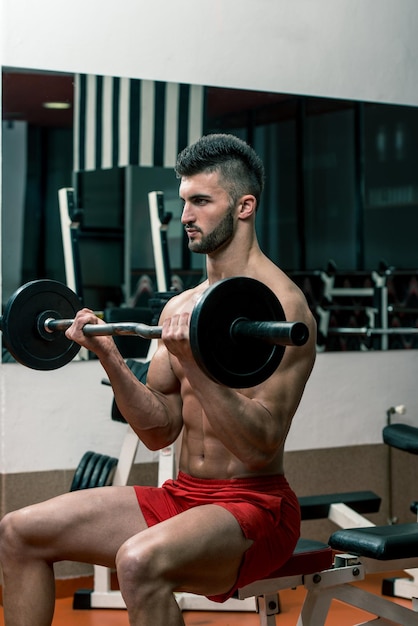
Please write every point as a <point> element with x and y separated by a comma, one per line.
<point>227,263</point>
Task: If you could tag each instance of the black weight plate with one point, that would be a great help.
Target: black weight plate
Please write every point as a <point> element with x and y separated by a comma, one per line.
<point>241,362</point>
<point>89,469</point>
<point>101,461</point>
<point>107,472</point>
<point>78,474</point>
<point>20,328</point>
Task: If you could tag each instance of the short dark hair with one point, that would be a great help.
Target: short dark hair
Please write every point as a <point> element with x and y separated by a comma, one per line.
<point>238,164</point>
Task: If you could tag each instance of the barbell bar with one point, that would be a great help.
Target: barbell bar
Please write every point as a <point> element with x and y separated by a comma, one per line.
<point>238,329</point>
<point>283,333</point>
<point>51,325</point>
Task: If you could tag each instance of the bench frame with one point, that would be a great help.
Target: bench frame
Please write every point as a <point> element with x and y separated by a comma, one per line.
<point>332,584</point>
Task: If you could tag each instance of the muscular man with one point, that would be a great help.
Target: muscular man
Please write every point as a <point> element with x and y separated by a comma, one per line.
<point>229,517</point>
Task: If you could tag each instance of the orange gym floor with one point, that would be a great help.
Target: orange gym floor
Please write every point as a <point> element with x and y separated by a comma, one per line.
<point>291,601</point>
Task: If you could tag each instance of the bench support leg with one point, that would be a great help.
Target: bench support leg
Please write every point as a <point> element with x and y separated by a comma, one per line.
<point>317,603</point>
<point>268,606</point>
<point>315,607</point>
<point>376,605</point>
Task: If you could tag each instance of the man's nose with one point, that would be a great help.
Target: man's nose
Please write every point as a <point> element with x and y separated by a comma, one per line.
<point>187,215</point>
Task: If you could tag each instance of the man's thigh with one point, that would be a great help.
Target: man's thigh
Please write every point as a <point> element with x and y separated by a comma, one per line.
<point>200,550</point>
<point>88,525</point>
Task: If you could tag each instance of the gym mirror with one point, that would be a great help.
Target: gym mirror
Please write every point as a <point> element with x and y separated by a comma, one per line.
<point>341,187</point>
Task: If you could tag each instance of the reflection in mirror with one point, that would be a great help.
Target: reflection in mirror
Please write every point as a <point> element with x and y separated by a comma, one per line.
<point>339,208</point>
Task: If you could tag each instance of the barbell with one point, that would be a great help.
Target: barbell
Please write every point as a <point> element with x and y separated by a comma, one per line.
<point>238,329</point>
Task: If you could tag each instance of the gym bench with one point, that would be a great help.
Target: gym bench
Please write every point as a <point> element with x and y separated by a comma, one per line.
<point>369,549</point>
<point>309,557</point>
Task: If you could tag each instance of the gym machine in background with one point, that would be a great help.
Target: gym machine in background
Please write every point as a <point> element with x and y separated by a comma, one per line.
<point>362,310</point>
<point>160,220</point>
<point>70,219</point>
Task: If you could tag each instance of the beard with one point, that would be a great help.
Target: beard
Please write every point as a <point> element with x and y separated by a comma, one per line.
<point>220,235</point>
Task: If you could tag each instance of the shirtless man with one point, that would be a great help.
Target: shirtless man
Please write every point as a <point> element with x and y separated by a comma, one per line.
<point>230,516</point>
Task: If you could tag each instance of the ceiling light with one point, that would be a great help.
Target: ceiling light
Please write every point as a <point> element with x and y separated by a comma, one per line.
<point>57,105</point>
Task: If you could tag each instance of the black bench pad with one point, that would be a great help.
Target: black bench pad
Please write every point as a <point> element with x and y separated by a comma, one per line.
<point>401,436</point>
<point>309,556</point>
<point>317,507</point>
<point>383,543</point>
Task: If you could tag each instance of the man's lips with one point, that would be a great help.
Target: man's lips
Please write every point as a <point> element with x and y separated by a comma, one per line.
<point>191,232</point>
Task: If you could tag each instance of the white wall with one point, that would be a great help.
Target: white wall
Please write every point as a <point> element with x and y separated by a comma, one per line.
<point>348,394</point>
<point>362,49</point>
<point>353,49</point>
<point>51,418</point>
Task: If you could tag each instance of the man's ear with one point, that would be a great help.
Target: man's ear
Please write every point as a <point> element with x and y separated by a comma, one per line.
<point>248,206</point>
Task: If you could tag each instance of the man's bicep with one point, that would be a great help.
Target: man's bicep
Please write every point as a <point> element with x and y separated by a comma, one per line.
<point>161,376</point>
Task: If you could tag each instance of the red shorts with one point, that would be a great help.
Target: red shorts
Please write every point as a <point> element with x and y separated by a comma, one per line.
<point>265,507</point>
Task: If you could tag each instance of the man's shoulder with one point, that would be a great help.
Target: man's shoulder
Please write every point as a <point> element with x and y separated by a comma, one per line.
<point>291,297</point>
<point>184,300</point>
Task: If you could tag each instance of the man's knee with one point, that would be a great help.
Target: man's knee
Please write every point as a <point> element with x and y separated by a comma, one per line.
<point>12,535</point>
<point>140,564</point>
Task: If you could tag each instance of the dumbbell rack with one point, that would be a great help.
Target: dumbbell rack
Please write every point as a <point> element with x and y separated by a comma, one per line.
<point>376,314</point>
<point>362,310</point>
